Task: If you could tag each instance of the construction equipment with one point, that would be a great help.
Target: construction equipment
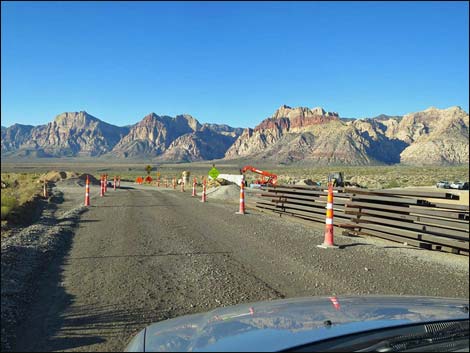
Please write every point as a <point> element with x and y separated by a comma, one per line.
<point>336,179</point>
<point>267,178</point>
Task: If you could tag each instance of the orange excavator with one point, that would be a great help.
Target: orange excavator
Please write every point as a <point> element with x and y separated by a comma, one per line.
<point>266,177</point>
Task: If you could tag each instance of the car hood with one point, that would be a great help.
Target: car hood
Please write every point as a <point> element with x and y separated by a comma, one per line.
<point>282,324</point>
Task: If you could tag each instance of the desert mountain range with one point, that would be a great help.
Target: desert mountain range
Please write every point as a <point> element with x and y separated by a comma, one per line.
<point>291,135</point>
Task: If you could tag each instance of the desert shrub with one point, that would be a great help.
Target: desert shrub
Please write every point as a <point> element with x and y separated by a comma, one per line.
<point>9,203</point>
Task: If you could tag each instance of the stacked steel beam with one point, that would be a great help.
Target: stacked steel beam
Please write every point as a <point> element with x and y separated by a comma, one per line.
<point>411,217</point>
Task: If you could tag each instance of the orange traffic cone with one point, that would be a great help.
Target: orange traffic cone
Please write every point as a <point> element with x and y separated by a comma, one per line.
<point>87,192</point>
<point>242,197</point>
<point>102,186</point>
<point>328,243</point>
<point>194,187</point>
<point>204,198</point>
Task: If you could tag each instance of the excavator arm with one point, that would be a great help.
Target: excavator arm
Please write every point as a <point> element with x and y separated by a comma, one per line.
<point>271,179</point>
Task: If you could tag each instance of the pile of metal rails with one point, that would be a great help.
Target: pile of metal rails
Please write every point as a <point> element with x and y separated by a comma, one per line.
<point>428,220</point>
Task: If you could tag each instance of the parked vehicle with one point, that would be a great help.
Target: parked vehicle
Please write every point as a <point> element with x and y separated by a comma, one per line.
<point>443,184</point>
<point>459,185</point>
<point>337,179</point>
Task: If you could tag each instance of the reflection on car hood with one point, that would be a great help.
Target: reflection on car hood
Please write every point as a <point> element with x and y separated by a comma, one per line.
<point>281,324</point>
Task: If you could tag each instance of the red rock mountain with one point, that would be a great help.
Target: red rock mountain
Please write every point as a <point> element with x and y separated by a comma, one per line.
<point>433,136</point>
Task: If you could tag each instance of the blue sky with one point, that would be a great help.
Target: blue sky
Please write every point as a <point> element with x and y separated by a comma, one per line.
<point>230,62</point>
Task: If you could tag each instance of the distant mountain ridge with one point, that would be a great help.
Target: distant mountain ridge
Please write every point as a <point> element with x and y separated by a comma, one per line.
<point>291,135</point>
<point>79,134</point>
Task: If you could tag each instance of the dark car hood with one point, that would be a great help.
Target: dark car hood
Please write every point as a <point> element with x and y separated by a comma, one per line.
<point>281,324</point>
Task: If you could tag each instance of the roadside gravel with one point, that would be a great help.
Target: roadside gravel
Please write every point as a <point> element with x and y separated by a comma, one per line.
<point>25,254</point>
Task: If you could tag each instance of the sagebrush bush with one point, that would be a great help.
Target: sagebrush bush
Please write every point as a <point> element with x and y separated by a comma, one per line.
<point>8,204</point>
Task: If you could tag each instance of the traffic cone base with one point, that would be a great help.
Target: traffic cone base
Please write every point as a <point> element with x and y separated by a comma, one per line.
<point>327,246</point>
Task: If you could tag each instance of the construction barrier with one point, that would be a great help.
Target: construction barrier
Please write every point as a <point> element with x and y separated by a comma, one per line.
<point>242,196</point>
<point>87,192</point>
<point>413,218</point>
<point>194,187</point>
<point>204,198</point>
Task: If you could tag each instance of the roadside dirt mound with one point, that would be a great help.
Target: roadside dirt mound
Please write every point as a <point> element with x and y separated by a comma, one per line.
<point>309,182</point>
<point>226,192</point>
<point>80,180</point>
<point>93,180</point>
<point>217,182</point>
<point>53,176</point>
<point>72,175</point>
<point>73,178</point>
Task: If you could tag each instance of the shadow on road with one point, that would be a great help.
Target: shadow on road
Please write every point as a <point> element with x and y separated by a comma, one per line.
<point>38,332</point>
<point>89,324</point>
<point>353,244</point>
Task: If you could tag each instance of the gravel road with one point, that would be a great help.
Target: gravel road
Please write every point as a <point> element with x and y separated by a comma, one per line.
<point>143,254</point>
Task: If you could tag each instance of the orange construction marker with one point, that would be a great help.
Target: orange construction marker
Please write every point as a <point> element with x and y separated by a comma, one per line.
<point>328,243</point>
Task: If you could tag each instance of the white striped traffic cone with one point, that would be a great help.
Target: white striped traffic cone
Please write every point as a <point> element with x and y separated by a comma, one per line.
<point>87,192</point>
<point>328,243</point>
<point>194,187</point>
<point>204,198</point>
<point>242,197</point>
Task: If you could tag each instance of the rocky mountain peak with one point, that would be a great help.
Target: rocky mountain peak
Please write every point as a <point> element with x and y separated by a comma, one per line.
<point>192,122</point>
<point>74,118</point>
<point>149,118</point>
